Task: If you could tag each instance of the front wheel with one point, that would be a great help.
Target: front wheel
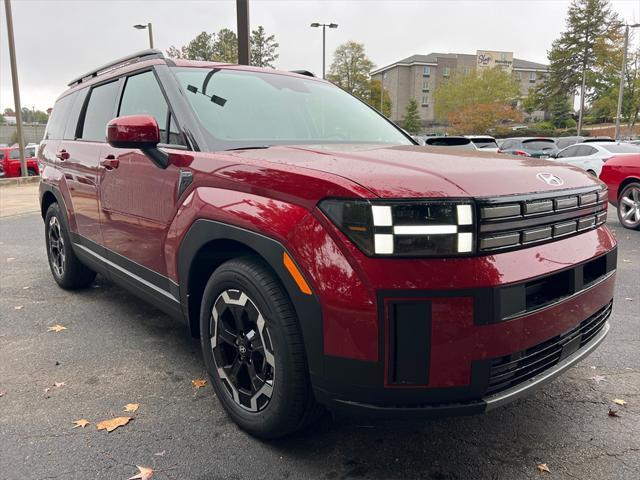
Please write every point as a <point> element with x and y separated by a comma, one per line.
<point>253,350</point>
<point>629,206</point>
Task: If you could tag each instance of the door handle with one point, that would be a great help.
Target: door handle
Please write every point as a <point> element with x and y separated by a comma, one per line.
<point>110,162</point>
<point>63,155</point>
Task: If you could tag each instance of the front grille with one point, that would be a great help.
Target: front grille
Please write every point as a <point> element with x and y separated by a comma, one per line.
<point>511,370</point>
<point>512,222</point>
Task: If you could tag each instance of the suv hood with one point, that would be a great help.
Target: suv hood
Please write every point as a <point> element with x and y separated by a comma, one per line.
<point>414,171</point>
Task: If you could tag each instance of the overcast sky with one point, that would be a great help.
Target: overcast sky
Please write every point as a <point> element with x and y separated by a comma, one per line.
<point>58,40</point>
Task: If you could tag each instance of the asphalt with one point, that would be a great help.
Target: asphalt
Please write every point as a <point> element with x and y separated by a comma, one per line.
<point>118,350</point>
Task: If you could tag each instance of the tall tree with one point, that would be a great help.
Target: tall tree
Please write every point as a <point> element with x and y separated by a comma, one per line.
<point>350,68</point>
<point>373,98</point>
<point>482,118</point>
<point>411,119</point>
<point>586,53</point>
<point>225,47</point>
<point>490,86</point>
<point>200,48</point>
<point>263,48</point>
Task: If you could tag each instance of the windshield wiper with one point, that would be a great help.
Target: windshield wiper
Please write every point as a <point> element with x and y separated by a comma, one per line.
<point>253,147</point>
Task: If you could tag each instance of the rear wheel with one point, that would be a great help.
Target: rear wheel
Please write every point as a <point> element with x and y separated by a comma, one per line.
<point>32,172</point>
<point>253,350</point>
<point>591,172</point>
<point>629,206</point>
<point>67,270</point>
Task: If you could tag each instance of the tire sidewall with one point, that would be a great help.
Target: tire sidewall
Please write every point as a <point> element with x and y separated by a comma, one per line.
<point>269,418</point>
<point>618,209</point>
<point>54,211</point>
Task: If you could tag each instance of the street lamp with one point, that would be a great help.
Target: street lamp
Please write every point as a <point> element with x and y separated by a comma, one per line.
<point>622,72</point>
<point>149,27</point>
<point>324,26</point>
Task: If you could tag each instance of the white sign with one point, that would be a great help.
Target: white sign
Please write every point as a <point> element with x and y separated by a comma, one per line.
<point>491,59</point>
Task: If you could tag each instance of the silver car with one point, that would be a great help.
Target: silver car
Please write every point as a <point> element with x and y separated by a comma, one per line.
<point>591,156</point>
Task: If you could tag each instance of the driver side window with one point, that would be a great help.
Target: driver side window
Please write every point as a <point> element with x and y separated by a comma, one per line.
<point>569,152</point>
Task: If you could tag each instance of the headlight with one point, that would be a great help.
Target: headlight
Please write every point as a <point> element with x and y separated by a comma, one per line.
<point>410,228</point>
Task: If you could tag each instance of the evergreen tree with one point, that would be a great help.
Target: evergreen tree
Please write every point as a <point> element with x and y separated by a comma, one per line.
<point>225,47</point>
<point>263,48</point>
<point>411,119</point>
<point>560,111</point>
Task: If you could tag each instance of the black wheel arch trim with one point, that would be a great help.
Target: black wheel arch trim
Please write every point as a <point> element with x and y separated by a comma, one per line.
<point>307,307</point>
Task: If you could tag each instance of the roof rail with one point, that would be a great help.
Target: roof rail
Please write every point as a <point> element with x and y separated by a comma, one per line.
<point>303,72</point>
<point>134,57</point>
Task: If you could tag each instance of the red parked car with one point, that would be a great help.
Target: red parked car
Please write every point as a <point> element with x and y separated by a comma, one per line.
<point>622,175</point>
<point>10,163</point>
<point>323,258</point>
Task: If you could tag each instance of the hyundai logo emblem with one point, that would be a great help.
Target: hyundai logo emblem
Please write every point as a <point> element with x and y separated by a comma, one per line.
<point>550,179</point>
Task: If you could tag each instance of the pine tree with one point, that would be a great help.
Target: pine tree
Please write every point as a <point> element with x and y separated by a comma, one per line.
<point>263,48</point>
<point>411,119</point>
<point>560,111</point>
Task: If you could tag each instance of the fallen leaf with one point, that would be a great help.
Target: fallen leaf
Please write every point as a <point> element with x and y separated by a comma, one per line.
<point>160,454</point>
<point>624,260</point>
<point>18,307</point>
<point>593,367</point>
<point>58,384</point>
<point>2,394</point>
<point>46,390</point>
<point>113,423</point>
<point>613,413</point>
<point>619,401</point>
<point>543,467</point>
<point>56,328</point>
<point>144,473</point>
<point>198,383</point>
<point>629,299</point>
<point>10,259</point>
<point>598,378</point>
<point>81,423</point>
<point>131,407</point>
<point>26,288</point>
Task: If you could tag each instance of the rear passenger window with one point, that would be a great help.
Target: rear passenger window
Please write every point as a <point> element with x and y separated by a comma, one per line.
<point>74,114</point>
<point>142,96</point>
<point>99,112</point>
<point>58,119</point>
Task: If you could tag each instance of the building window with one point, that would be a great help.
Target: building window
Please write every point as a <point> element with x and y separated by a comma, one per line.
<point>425,100</point>
<point>446,71</point>
<point>517,76</point>
<point>425,85</point>
<point>532,77</point>
<point>426,71</point>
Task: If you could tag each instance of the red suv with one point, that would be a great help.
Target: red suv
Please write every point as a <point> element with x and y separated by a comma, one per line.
<point>323,258</point>
<point>10,163</point>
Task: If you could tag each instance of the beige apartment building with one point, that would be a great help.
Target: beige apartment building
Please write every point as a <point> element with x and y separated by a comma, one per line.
<point>418,76</point>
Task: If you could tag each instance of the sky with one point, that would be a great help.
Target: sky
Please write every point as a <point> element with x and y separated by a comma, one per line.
<point>58,40</point>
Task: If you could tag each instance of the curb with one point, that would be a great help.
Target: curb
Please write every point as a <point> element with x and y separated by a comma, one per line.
<point>19,181</point>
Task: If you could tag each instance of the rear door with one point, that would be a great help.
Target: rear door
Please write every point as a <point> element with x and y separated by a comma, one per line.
<point>137,199</point>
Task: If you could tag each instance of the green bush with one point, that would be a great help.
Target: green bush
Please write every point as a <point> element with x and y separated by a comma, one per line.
<point>543,126</point>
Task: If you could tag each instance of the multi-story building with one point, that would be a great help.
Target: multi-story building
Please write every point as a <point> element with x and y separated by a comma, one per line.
<point>418,76</point>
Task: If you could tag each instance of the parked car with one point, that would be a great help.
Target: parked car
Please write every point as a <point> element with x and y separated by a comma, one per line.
<point>10,163</point>
<point>537,147</point>
<point>486,143</point>
<point>591,156</point>
<point>564,142</point>
<point>621,173</point>
<point>450,141</point>
<point>320,256</point>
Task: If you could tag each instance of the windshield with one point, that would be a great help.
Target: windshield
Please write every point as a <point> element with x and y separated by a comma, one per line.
<point>539,144</point>
<point>484,143</point>
<point>242,109</point>
<point>621,148</point>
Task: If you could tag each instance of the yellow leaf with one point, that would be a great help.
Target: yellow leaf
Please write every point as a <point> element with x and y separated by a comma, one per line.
<point>144,473</point>
<point>58,384</point>
<point>619,401</point>
<point>81,423</point>
<point>198,383</point>
<point>113,423</point>
<point>543,467</point>
<point>18,307</point>
<point>56,328</point>
<point>131,407</point>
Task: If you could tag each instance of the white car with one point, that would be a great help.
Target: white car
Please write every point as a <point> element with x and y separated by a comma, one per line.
<point>486,143</point>
<point>591,156</point>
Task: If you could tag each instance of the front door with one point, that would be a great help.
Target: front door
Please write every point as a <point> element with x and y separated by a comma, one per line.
<point>137,199</point>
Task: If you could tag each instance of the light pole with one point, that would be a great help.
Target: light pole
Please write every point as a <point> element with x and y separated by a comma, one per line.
<point>324,36</point>
<point>149,27</point>
<point>622,72</point>
<point>16,88</point>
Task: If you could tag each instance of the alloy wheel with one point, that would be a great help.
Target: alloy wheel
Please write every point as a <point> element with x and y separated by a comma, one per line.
<point>56,247</point>
<point>242,350</point>
<point>629,206</point>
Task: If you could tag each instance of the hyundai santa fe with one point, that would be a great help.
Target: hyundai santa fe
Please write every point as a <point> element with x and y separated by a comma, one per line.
<point>322,258</point>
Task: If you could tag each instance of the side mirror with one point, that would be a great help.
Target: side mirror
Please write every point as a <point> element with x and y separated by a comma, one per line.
<point>137,131</point>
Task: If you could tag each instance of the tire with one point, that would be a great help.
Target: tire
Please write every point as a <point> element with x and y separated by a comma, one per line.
<point>31,172</point>
<point>591,172</point>
<point>270,396</point>
<point>66,268</point>
<point>629,206</point>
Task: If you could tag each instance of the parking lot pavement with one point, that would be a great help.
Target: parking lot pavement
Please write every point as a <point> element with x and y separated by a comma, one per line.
<point>118,350</point>
<point>18,198</point>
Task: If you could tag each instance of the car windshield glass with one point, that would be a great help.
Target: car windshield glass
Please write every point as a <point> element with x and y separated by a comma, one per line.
<point>14,154</point>
<point>538,144</point>
<point>621,148</point>
<point>240,108</point>
<point>484,142</point>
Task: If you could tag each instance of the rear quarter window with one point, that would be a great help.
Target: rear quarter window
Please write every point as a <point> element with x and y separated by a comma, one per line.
<point>100,111</point>
<point>58,119</point>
